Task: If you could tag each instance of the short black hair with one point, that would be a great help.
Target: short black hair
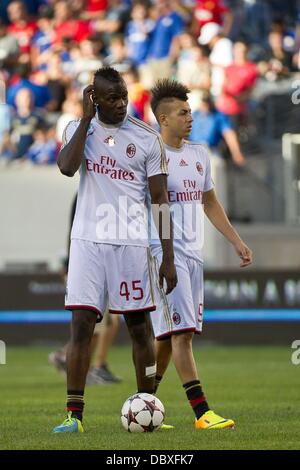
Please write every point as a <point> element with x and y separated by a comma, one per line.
<point>109,74</point>
<point>165,90</point>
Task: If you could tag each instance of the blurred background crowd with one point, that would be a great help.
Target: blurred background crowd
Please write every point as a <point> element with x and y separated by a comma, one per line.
<point>232,54</point>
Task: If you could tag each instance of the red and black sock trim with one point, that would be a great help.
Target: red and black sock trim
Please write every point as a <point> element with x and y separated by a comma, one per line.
<point>75,403</point>
<point>196,398</point>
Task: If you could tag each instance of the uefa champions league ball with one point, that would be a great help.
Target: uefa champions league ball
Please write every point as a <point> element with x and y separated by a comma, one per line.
<point>142,412</point>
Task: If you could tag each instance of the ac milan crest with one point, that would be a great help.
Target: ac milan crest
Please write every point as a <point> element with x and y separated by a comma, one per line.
<point>199,168</point>
<point>176,318</point>
<point>131,150</point>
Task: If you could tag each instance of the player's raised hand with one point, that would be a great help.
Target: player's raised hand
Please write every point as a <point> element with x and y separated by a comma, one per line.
<point>89,107</point>
<point>168,272</point>
<point>244,252</point>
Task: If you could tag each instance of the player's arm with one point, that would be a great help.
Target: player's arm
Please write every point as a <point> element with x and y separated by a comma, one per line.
<point>159,199</point>
<point>231,140</point>
<point>217,215</point>
<point>71,156</point>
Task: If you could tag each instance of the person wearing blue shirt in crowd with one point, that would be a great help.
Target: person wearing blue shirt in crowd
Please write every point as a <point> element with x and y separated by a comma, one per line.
<point>43,38</point>
<point>210,127</point>
<point>41,93</point>
<point>168,26</point>
<point>24,124</point>
<point>44,148</point>
<point>138,34</point>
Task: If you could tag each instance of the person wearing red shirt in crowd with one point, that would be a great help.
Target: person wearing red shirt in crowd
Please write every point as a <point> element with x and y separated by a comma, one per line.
<point>212,11</point>
<point>95,8</point>
<point>139,97</point>
<point>66,26</point>
<point>21,27</point>
<point>240,78</point>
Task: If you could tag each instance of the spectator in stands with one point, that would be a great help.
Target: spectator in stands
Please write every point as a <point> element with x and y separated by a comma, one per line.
<point>9,48</point>
<point>258,19</point>
<point>277,62</point>
<point>21,27</point>
<point>24,123</point>
<point>44,149</point>
<point>66,26</point>
<point>240,78</point>
<point>43,39</point>
<point>95,9</point>
<point>210,127</point>
<point>114,21</point>
<point>221,54</point>
<point>213,11</point>
<point>118,55</point>
<point>88,59</point>
<point>71,110</point>
<point>57,83</point>
<point>138,97</point>
<point>193,68</point>
<point>162,50</point>
<point>5,117</point>
<point>138,33</point>
<point>40,94</point>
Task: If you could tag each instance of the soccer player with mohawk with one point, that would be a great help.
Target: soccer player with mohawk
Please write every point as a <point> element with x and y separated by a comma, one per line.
<point>190,191</point>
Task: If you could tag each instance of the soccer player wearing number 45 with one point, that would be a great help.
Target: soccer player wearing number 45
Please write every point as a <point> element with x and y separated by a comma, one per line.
<point>119,157</point>
<point>190,190</point>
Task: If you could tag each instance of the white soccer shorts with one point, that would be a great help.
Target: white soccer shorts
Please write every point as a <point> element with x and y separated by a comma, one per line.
<point>182,309</point>
<point>117,275</point>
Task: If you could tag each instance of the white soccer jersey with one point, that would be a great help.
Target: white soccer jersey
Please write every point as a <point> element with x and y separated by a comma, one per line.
<point>189,177</point>
<point>113,181</point>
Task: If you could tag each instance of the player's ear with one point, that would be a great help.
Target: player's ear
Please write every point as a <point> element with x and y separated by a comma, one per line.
<point>163,120</point>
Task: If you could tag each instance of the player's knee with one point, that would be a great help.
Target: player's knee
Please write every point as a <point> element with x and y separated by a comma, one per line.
<point>82,327</point>
<point>182,339</point>
<point>140,333</point>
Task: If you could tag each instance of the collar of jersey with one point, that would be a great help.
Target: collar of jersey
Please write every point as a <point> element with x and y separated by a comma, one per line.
<point>110,126</point>
<point>175,149</point>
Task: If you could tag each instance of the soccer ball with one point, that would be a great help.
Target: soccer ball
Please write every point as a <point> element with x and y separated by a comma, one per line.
<point>142,412</point>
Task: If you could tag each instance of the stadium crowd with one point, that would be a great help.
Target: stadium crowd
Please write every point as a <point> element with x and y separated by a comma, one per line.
<point>221,49</point>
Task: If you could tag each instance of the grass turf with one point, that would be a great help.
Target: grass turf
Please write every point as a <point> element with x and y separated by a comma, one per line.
<point>257,387</point>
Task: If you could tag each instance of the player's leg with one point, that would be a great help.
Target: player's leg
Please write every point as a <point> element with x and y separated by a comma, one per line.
<point>78,362</point>
<point>86,296</point>
<point>189,375</point>
<point>182,353</point>
<point>183,358</point>
<point>78,359</point>
<point>140,330</point>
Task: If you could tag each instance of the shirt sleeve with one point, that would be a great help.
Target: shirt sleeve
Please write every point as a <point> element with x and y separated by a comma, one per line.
<point>224,122</point>
<point>69,132</point>
<point>208,183</point>
<point>156,162</point>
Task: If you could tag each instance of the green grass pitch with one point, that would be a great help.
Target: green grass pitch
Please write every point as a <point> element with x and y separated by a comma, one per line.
<point>258,387</point>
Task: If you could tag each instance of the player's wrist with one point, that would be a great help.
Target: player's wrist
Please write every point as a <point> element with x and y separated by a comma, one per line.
<point>237,241</point>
